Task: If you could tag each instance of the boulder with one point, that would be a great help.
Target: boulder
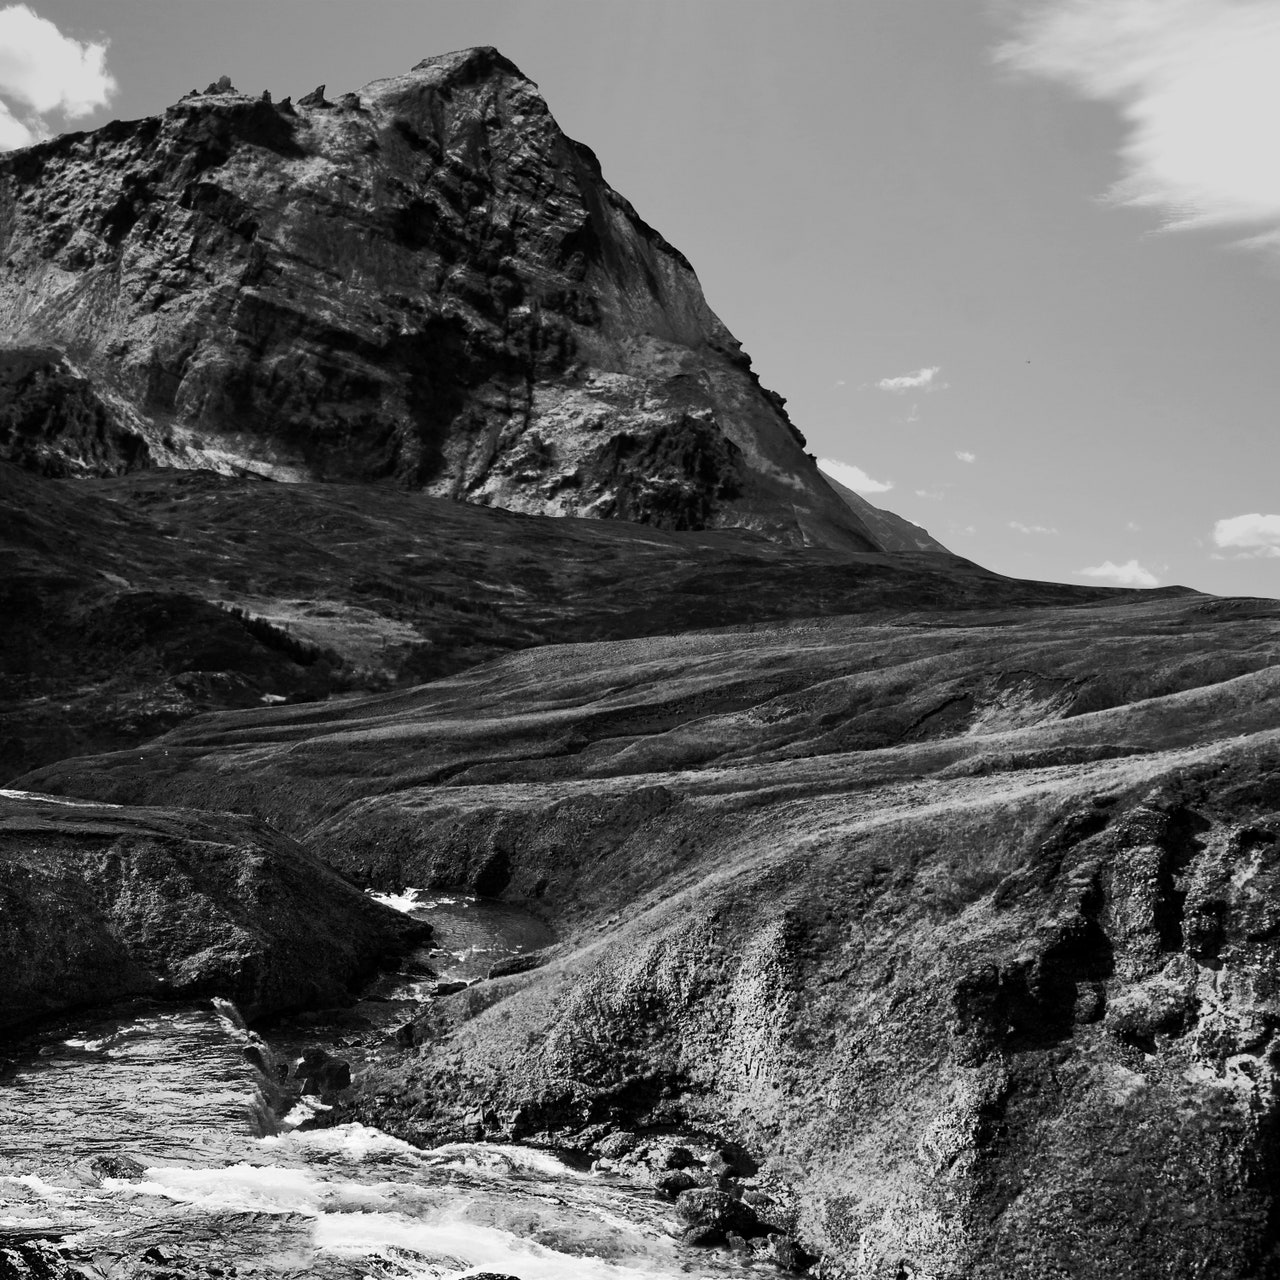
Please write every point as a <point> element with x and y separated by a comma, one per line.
<point>709,1216</point>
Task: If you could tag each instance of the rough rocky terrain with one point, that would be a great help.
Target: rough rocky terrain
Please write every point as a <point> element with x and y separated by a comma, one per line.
<point>961,925</point>
<point>99,904</point>
<point>424,282</point>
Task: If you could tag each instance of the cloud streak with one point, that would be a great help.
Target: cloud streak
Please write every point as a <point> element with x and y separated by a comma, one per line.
<point>42,72</point>
<point>1129,574</point>
<point>921,380</point>
<point>1195,83</point>
<point>965,456</point>
<point>1250,536</point>
<point>852,477</point>
<point>1030,528</point>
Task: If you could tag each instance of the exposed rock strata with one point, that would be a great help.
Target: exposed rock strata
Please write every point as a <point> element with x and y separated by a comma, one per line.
<point>99,904</point>
<point>425,282</point>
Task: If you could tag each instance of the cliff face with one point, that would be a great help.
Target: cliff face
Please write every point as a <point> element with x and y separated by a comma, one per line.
<point>425,282</point>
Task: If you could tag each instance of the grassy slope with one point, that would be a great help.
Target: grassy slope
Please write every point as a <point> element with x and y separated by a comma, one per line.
<point>965,923</point>
<point>119,594</point>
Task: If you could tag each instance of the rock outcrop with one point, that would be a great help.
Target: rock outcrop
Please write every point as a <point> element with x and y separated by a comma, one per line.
<point>425,282</point>
<point>54,422</point>
<point>100,904</point>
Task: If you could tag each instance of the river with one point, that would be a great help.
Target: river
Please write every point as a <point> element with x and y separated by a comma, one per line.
<point>146,1143</point>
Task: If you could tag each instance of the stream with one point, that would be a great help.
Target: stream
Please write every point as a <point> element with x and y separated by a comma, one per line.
<point>146,1143</point>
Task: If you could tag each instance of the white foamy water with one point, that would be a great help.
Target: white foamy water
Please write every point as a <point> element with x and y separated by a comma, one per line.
<point>409,900</point>
<point>169,1089</point>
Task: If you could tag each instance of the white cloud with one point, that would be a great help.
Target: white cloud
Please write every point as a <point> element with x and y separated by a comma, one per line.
<point>1133,526</point>
<point>935,494</point>
<point>965,456</point>
<point>1130,574</point>
<point>921,380</point>
<point>1249,536</point>
<point>1030,528</point>
<point>1195,82</point>
<point>853,477</point>
<point>13,133</point>
<point>43,71</point>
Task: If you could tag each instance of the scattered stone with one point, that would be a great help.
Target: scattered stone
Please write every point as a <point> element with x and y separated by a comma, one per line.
<point>117,1167</point>
<point>783,1251</point>
<point>679,1158</point>
<point>34,1259</point>
<point>618,1144</point>
<point>710,1215</point>
<point>320,1072</point>
<point>404,1035</point>
<point>450,988</point>
<point>266,95</point>
<point>315,98</point>
<point>222,85</point>
<point>673,1183</point>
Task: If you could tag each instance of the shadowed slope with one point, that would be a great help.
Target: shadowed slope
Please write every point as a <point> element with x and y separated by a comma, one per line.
<point>133,603</point>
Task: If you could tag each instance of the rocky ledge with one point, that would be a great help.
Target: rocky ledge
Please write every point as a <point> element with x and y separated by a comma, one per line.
<point>100,903</point>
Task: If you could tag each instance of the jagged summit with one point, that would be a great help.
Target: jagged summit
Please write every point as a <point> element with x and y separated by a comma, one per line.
<point>425,282</point>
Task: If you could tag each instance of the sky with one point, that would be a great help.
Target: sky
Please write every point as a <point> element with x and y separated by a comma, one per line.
<point>1015,264</point>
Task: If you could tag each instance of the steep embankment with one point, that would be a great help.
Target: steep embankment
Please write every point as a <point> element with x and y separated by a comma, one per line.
<point>964,926</point>
<point>99,903</point>
<point>424,282</point>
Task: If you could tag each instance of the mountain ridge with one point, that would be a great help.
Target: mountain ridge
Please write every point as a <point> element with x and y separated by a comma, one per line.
<point>449,296</point>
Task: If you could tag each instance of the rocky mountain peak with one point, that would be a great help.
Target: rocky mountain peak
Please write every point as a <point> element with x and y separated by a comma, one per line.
<point>424,282</point>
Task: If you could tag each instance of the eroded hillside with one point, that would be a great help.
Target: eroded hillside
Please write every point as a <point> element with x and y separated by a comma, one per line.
<point>963,925</point>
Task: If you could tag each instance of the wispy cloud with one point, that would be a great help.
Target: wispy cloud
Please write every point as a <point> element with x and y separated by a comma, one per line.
<point>965,456</point>
<point>853,477</point>
<point>936,494</point>
<point>1129,574</point>
<point>1030,528</point>
<point>1249,536</point>
<point>921,380</point>
<point>42,72</point>
<point>1196,85</point>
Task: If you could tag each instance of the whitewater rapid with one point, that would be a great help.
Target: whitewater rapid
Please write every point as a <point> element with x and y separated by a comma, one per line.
<point>212,1177</point>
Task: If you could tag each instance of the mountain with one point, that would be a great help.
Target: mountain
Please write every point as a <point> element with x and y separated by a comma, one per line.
<point>917,920</point>
<point>424,283</point>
